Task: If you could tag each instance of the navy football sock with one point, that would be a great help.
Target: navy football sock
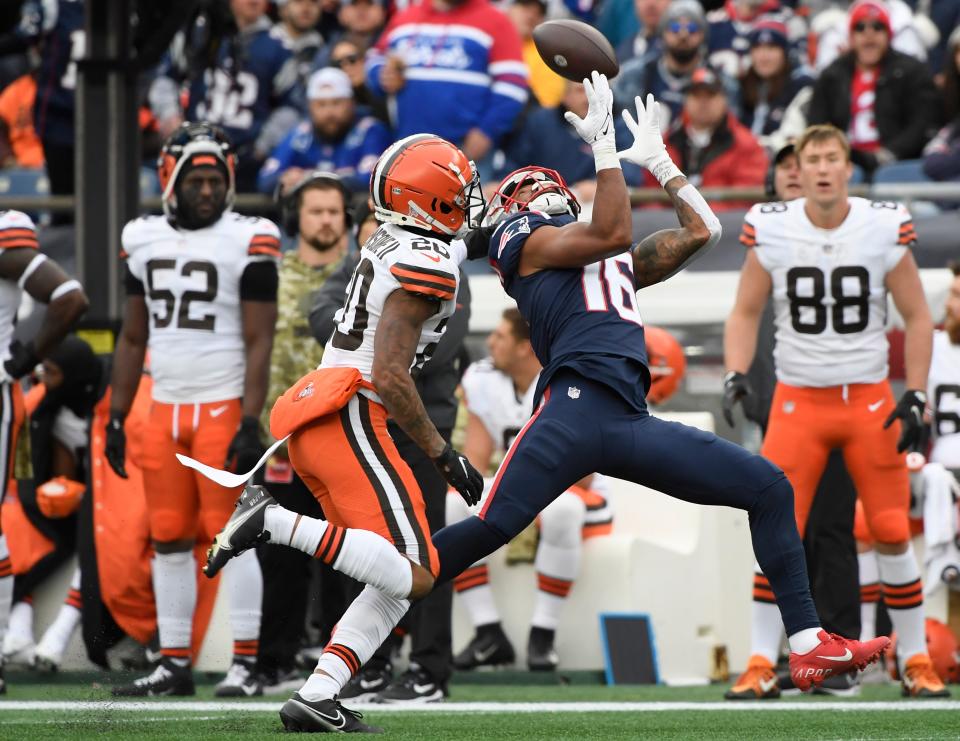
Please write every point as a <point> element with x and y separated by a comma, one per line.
<point>779,551</point>
<point>463,543</point>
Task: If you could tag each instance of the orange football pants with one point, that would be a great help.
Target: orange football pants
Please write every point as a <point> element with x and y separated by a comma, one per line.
<point>350,463</point>
<point>182,504</point>
<point>807,423</point>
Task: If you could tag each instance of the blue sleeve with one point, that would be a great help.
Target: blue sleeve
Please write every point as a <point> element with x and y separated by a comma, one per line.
<point>375,61</point>
<point>280,159</point>
<point>507,241</point>
<point>378,138</point>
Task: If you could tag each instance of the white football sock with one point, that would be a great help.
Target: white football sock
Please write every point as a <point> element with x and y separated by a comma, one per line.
<point>361,554</point>
<point>6,587</point>
<point>20,626</point>
<point>363,627</point>
<point>869,593</point>
<point>765,620</point>
<point>473,588</point>
<point>804,641</point>
<point>244,580</point>
<point>57,637</point>
<point>558,557</point>
<point>903,595</point>
<point>175,592</point>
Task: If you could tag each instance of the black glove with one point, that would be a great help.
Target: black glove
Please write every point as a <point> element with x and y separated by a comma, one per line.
<point>458,472</point>
<point>735,387</point>
<point>22,359</point>
<point>909,411</point>
<point>245,449</point>
<point>478,242</point>
<point>116,448</point>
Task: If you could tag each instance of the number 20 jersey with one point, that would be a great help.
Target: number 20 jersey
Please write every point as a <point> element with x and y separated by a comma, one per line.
<point>830,300</point>
<point>191,281</point>
<point>394,259</point>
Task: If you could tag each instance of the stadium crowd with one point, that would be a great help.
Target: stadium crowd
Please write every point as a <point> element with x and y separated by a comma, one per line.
<point>310,94</point>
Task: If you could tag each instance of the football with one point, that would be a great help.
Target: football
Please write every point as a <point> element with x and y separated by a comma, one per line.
<point>574,49</point>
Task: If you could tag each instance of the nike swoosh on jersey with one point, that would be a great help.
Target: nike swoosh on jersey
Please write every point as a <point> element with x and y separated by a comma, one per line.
<point>431,257</point>
<point>846,657</point>
<point>218,411</point>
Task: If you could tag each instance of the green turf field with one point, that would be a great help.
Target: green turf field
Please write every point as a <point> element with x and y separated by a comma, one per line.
<point>80,708</point>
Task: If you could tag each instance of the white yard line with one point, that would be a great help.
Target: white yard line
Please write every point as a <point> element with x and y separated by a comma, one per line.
<point>481,707</point>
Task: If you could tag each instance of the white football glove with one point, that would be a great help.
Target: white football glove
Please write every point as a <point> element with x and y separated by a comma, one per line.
<point>597,129</point>
<point>648,149</point>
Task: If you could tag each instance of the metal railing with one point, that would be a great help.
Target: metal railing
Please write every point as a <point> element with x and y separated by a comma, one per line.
<point>256,203</point>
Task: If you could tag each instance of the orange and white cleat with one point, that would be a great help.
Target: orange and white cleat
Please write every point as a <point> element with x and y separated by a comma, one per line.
<point>834,655</point>
<point>920,679</point>
<point>758,682</point>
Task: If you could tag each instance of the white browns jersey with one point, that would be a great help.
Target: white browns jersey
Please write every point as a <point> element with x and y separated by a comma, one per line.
<point>490,394</point>
<point>830,299</point>
<point>16,230</point>
<point>191,281</point>
<point>394,258</point>
<point>943,396</point>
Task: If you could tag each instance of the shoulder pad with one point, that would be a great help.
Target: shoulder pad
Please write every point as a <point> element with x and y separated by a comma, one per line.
<point>139,232</point>
<point>17,230</point>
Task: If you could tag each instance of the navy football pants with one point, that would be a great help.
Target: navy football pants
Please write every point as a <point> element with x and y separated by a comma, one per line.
<point>585,427</point>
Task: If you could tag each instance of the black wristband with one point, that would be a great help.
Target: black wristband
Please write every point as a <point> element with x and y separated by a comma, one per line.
<point>250,423</point>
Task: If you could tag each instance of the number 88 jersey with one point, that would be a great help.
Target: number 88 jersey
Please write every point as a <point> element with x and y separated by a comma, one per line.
<point>393,259</point>
<point>829,292</point>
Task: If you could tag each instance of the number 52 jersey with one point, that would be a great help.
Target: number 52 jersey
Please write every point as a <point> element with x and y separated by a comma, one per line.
<point>192,287</point>
<point>393,259</point>
<point>830,299</point>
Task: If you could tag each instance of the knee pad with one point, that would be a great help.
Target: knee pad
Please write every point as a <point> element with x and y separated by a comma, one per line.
<point>167,525</point>
<point>561,523</point>
<point>889,526</point>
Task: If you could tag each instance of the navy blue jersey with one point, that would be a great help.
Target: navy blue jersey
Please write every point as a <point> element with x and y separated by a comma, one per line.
<point>60,25</point>
<point>254,75</point>
<point>581,318</point>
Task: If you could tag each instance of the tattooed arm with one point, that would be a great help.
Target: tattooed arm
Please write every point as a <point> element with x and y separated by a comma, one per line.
<point>667,252</point>
<point>394,348</point>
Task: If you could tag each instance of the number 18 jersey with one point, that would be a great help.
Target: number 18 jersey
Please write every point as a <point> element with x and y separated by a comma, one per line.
<point>394,259</point>
<point>830,300</point>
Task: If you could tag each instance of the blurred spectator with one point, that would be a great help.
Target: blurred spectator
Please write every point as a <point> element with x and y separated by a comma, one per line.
<point>911,33</point>
<point>347,54</point>
<point>455,68</point>
<point>18,137</point>
<point>297,31</point>
<point>337,137</point>
<point>547,140</point>
<point>545,84</point>
<point>244,82</point>
<point>682,30</point>
<point>362,20</point>
<point>772,82</point>
<point>885,100</point>
<point>941,159</point>
<point>616,22</point>
<point>710,145</point>
<point>730,28</point>
<point>645,43</point>
<point>784,184</point>
<point>945,15</point>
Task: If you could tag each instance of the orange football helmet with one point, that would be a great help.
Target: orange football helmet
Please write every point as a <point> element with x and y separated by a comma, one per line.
<point>943,649</point>
<point>667,364</point>
<point>59,497</point>
<point>426,182</point>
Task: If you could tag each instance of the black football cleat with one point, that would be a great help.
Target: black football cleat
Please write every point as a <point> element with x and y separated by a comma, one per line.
<point>365,686</point>
<point>541,655</point>
<point>322,716</point>
<point>243,530</point>
<point>167,680</point>
<point>489,647</point>
<point>413,687</point>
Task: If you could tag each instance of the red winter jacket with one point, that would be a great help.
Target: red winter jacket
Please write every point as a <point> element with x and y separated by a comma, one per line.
<point>734,158</point>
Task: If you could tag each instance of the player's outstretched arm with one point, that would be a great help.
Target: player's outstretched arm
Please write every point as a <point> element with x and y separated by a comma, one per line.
<point>610,231</point>
<point>45,281</point>
<point>669,251</point>
<point>394,348</point>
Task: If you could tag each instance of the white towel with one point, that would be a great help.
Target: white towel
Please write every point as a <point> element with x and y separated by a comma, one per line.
<point>940,526</point>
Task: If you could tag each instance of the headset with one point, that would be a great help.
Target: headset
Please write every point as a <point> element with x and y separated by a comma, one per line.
<point>289,199</point>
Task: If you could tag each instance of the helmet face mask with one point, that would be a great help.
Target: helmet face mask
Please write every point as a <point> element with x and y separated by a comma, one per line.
<point>549,194</point>
<point>194,145</point>
<point>425,182</point>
